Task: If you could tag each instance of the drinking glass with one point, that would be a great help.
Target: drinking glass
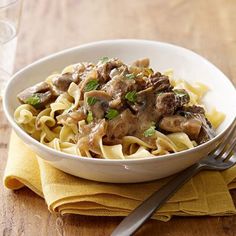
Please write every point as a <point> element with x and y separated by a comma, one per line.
<point>10,11</point>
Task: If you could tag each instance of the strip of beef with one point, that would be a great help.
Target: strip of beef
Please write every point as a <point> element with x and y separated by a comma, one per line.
<point>166,103</point>
<point>206,133</point>
<point>182,97</point>
<point>62,82</point>
<point>159,82</point>
<point>124,124</point>
<point>118,86</point>
<point>38,95</point>
<point>177,123</point>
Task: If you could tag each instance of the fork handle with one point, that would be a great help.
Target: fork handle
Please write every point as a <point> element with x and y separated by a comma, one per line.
<point>145,210</point>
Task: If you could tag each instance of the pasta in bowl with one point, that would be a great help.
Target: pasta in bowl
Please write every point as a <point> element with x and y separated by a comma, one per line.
<point>113,110</point>
<point>128,145</point>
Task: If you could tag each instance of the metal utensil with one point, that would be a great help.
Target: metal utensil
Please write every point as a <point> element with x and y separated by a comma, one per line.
<point>220,159</point>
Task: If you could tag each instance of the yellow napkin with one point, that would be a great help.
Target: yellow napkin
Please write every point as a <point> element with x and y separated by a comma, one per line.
<point>205,194</point>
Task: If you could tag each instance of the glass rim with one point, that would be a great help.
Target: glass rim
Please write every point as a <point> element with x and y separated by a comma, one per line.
<point>9,4</point>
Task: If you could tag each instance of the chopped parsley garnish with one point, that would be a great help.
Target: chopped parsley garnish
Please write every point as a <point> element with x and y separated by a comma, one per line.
<point>104,60</point>
<point>130,76</point>
<point>111,114</point>
<point>90,117</point>
<point>131,96</point>
<point>91,85</point>
<point>34,100</point>
<point>91,101</point>
<point>150,131</point>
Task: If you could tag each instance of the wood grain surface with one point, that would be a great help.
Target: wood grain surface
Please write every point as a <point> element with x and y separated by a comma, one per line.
<point>205,26</point>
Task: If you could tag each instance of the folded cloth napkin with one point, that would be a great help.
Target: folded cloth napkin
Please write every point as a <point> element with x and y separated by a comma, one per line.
<point>205,194</point>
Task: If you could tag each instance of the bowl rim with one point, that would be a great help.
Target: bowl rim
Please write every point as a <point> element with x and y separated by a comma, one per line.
<point>54,152</point>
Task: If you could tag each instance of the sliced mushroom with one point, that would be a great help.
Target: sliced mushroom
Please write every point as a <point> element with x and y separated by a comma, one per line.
<point>100,102</point>
<point>141,63</point>
<point>144,99</point>
<point>105,69</point>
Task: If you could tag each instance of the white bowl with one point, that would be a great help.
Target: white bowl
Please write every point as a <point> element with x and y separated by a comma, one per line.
<point>186,65</point>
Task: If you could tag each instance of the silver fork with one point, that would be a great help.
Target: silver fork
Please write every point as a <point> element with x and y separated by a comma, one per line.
<point>220,159</point>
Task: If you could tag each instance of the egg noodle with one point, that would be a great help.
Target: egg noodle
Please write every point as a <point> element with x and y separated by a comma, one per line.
<point>43,126</point>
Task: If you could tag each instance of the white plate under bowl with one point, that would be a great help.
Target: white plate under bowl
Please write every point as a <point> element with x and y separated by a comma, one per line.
<point>186,65</point>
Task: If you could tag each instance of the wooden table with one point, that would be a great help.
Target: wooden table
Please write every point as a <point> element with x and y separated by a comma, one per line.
<point>207,27</point>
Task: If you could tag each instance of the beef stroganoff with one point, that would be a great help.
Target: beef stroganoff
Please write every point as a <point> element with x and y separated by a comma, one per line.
<point>116,111</point>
